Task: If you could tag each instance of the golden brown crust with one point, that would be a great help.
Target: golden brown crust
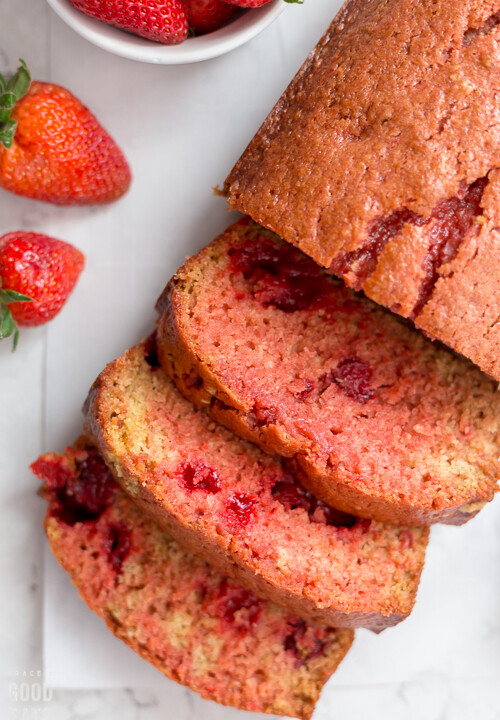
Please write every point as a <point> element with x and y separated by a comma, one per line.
<point>360,135</point>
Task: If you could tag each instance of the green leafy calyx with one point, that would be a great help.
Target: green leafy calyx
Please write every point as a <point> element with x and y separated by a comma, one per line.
<point>8,326</point>
<point>10,93</point>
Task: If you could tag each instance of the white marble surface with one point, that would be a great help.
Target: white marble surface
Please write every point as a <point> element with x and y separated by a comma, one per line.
<point>182,128</point>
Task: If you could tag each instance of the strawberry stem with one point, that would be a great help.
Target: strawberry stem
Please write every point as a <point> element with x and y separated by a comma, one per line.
<point>10,93</point>
<point>8,326</point>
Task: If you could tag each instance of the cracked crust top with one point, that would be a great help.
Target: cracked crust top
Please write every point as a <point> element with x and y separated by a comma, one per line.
<point>369,157</point>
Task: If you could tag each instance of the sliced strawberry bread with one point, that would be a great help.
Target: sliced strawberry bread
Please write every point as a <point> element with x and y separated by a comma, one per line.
<point>380,421</point>
<point>243,510</point>
<point>381,161</point>
<point>171,607</point>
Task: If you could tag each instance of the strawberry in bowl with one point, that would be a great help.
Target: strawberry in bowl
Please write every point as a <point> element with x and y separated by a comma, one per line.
<point>169,32</point>
<point>165,21</point>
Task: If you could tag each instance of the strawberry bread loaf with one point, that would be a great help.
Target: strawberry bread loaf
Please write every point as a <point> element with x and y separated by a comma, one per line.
<point>173,609</point>
<point>384,166</point>
<point>243,510</point>
<point>379,421</point>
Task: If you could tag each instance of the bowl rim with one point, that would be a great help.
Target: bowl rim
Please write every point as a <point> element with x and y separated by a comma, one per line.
<point>203,47</point>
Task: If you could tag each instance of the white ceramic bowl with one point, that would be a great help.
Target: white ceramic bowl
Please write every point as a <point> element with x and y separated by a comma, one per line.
<point>204,47</point>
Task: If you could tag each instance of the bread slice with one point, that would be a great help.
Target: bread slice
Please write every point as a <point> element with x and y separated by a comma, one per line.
<point>384,166</point>
<point>242,510</point>
<point>381,422</point>
<point>172,608</point>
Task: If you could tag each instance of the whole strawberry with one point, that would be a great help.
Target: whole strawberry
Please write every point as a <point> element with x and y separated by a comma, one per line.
<point>163,21</point>
<point>52,148</point>
<point>205,16</point>
<point>37,273</point>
